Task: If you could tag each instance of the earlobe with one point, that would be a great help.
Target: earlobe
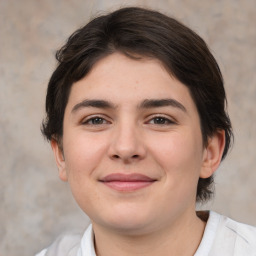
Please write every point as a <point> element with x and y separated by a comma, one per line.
<point>213,154</point>
<point>60,160</point>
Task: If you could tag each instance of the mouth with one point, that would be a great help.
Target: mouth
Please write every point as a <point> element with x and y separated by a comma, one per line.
<point>127,182</point>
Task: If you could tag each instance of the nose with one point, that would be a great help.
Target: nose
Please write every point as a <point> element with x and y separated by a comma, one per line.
<point>127,144</point>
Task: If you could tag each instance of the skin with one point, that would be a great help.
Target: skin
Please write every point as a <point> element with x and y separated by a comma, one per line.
<point>162,142</point>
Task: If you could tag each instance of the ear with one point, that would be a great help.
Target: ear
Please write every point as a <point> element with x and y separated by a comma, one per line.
<point>60,160</point>
<point>213,154</point>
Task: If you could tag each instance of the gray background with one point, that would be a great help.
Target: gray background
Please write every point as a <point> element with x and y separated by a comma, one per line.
<point>35,205</point>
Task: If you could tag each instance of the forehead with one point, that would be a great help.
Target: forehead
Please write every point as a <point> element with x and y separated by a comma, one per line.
<point>124,80</point>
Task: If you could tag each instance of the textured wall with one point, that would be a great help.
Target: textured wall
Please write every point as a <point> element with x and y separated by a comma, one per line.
<point>35,205</point>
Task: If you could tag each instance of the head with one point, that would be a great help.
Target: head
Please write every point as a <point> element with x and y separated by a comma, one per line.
<point>139,33</point>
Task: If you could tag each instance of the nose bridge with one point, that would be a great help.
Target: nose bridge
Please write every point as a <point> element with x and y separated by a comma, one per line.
<point>127,142</point>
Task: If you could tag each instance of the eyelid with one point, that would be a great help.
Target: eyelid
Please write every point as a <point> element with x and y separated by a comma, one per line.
<point>86,119</point>
<point>171,120</point>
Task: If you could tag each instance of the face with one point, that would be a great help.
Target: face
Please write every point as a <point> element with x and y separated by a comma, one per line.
<point>132,146</point>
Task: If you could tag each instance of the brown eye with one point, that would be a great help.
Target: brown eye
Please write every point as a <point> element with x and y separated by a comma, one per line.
<point>160,121</point>
<point>95,121</point>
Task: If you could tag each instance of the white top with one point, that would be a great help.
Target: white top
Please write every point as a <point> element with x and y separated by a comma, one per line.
<point>222,237</point>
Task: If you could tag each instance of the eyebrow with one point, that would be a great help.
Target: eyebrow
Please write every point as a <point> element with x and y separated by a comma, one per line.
<point>146,104</point>
<point>93,103</point>
<point>156,103</point>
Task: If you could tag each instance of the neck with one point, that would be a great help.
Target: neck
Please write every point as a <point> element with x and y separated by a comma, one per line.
<point>181,238</point>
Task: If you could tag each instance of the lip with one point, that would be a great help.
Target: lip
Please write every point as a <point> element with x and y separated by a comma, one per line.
<point>127,182</point>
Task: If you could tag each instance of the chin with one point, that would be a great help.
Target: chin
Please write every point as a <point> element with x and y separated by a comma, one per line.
<point>127,222</point>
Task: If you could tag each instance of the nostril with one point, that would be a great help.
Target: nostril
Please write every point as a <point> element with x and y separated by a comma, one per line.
<point>117,156</point>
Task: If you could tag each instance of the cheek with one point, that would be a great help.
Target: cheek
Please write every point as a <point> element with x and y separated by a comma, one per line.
<point>83,154</point>
<point>179,153</point>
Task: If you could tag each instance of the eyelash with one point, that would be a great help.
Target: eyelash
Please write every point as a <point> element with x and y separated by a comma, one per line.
<point>163,120</point>
<point>89,121</point>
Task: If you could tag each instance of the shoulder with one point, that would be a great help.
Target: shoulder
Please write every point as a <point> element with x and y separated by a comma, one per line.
<point>235,237</point>
<point>65,245</point>
<point>72,244</point>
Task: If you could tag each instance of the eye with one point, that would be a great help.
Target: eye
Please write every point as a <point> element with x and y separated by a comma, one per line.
<point>160,120</point>
<point>97,120</point>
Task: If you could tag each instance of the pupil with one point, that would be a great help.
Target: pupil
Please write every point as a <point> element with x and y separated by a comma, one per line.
<point>97,121</point>
<point>159,120</point>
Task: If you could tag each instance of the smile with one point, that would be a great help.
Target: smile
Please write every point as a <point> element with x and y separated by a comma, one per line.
<point>127,182</point>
